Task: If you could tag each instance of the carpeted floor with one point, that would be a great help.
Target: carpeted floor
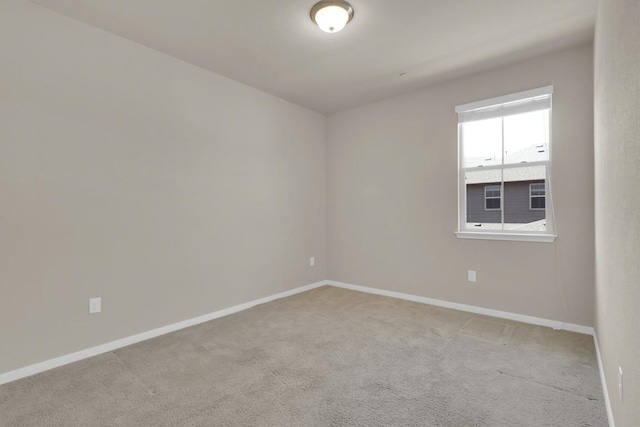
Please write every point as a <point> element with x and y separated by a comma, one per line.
<point>327,357</point>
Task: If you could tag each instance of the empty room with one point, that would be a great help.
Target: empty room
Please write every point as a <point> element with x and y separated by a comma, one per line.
<point>320,213</point>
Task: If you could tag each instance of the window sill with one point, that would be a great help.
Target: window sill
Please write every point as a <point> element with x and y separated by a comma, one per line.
<point>518,237</point>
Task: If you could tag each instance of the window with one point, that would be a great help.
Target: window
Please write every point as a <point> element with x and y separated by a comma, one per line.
<point>536,196</point>
<point>504,167</point>
<point>492,197</point>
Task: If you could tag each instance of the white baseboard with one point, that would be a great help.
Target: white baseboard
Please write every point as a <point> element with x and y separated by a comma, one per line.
<point>123,342</point>
<point>469,308</point>
<point>603,380</point>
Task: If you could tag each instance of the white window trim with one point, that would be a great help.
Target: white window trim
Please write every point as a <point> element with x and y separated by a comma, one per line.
<point>546,90</point>
<point>532,236</point>
<point>531,196</point>
<point>499,197</point>
<point>517,237</point>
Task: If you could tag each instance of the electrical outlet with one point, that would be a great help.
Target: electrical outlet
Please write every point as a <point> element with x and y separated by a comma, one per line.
<point>620,383</point>
<point>471,275</point>
<point>95,305</point>
<point>312,261</point>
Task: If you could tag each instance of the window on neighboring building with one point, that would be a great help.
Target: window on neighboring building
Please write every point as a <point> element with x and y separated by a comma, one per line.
<point>537,196</point>
<point>504,162</point>
<point>492,197</point>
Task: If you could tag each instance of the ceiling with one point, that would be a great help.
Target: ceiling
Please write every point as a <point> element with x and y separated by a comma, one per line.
<point>273,45</point>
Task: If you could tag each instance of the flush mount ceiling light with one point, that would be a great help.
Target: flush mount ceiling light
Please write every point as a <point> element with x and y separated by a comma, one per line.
<point>331,16</point>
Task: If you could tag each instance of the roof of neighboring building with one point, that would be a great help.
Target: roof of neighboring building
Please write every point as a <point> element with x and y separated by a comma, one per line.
<point>534,153</point>
<point>540,225</point>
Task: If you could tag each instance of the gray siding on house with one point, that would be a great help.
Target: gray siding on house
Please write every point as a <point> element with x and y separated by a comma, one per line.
<point>475,205</point>
<point>516,204</point>
<point>516,200</point>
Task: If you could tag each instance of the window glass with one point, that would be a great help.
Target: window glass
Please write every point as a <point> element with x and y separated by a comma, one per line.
<point>526,137</point>
<point>482,143</point>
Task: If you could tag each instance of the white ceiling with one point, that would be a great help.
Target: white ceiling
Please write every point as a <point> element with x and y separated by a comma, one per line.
<point>274,46</point>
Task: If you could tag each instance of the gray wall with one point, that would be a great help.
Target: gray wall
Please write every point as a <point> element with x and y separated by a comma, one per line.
<point>617,180</point>
<point>392,196</point>
<point>169,191</point>
<point>516,204</point>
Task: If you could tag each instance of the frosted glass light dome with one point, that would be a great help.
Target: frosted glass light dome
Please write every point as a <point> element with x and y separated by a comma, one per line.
<point>331,16</point>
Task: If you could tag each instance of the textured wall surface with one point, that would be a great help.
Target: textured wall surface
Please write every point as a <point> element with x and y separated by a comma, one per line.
<point>392,197</point>
<point>617,182</point>
<point>167,190</point>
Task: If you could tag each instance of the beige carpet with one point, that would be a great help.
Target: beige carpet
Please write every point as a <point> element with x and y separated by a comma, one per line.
<point>327,357</point>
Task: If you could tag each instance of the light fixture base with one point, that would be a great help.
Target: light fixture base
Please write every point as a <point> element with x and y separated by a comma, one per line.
<point>331,3</point>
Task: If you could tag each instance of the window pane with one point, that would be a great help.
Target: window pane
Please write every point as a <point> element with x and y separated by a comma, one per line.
<point>526,137</point>
<point>537,190</point>
<point>492,191</point>
<point>537,203</point>
<point>493,203</point>
<point>482,142</point>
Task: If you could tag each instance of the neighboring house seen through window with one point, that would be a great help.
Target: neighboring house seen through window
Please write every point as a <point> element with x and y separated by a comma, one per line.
<point>492,197</point>
<point>537,196</point>
<point>504,167</point>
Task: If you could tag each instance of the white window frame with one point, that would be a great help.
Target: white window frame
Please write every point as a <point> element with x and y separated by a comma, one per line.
<point>491,108</point>
<point>493,186</point>
<point>531,196</point>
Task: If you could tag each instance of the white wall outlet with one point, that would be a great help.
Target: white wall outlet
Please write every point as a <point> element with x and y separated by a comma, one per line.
<point>471,275</point>
<point>312,261</point>
<point>95,305</point>
<point>620,383</point>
